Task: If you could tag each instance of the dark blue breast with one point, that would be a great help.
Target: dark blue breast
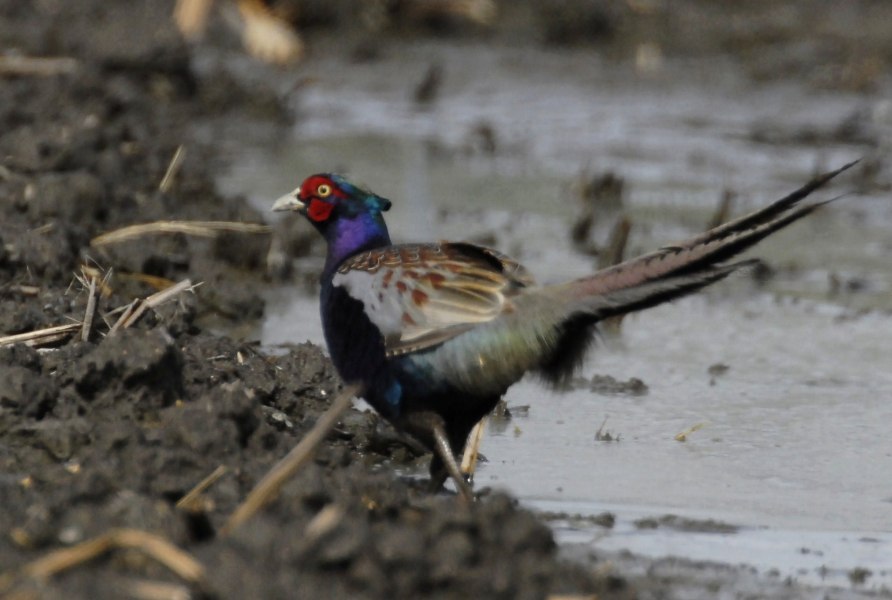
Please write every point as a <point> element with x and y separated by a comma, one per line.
<point>357,349</point>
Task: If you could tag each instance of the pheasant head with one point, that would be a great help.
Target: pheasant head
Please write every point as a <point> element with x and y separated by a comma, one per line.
<point>348,217</point>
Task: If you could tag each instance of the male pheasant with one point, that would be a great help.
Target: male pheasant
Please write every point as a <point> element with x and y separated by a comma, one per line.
<point>436,333</point>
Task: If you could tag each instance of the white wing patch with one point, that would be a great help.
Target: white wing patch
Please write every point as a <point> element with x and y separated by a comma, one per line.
<point>383,309</point>
<point>419,306</point>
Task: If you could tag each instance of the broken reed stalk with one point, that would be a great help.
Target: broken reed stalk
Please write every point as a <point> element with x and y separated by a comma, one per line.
<point>198,228</point>
<point>324,521</point>
<point>102,277</point>
<point>191,17</point>
<point>38,66</point>
<point>682,436</point>
<point>130,315</point>
<point>41,336</point>
<point>268,37</point>
<point>138,307</point>
<point>172,169</point>
<point>472,449</point>
<point>616,246</point>
<point>272,482</point>
<point>722,210</point>
<point>189,502</point>
<point>159,283</point>
<point>25,290</point>
<point>155,590</point>
<point>87,328</point>
<point>154,546</point>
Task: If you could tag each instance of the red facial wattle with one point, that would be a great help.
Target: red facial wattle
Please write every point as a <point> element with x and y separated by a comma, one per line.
<point>319,210</point>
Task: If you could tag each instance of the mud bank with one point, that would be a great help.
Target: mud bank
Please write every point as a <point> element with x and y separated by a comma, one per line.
<point>109,433</point>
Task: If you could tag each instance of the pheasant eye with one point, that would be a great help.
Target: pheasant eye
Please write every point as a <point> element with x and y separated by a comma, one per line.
<point>323,191</point>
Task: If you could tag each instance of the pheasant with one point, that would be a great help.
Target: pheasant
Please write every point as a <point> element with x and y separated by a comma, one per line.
<point>436,333</point>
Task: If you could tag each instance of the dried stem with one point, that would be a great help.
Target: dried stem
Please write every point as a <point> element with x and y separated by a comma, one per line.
<point>25,290</point>
<point>198,228</point>
<point>21,66</point>
<point>300,455</point>
<point>154,546</point>
<point>190,500</point>
<point>191,17</point>
<point>268,37</point>
<point>41,336</point>
<point>87,327</point>
<point>156,590</point>
<point>722,210</point>
<point>172,169</point>
<point>138,307</point>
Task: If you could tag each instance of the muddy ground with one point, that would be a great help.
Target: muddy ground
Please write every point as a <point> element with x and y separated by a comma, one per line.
<point>111,432</point>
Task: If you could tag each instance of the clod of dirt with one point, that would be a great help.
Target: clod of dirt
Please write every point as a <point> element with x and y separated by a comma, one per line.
<point>130,360</point>
<point>608,385</point>
<point>687,525</point>
<point>605,519</point>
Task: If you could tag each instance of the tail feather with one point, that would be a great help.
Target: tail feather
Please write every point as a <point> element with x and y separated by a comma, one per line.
<point>652,293</point>
<point>709,248</point>
<point>548,329</point>
<point>669,273</point>
<point>767,213</point>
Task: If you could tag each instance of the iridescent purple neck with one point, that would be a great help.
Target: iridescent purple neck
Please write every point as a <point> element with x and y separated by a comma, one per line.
<point>347,236</point>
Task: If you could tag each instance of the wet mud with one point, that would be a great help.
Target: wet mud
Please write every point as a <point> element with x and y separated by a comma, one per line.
<point>110,432</point>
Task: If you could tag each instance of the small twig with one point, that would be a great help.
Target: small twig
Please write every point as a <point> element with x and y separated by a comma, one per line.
<point>722,210</point>
<point>154,546</point>
<point>103,278</point>
<point>125,314</point>
<point>87,328</point>
<point>191,17</point>
<point>159,283</point>
<point>167,294</point>
<point>324,521</point>
<point>139,306</point>
<point>157,590</point>
<point>25,290</point>
<point>266,36</point>
<point>172,169</point>
<point>190,500</point>
<point>683,435</point>
<point>199,228</point>
<point>45,228</point>
<point>20,66</point>
<point>301,454</point>
<point>615,250</point>
<point>605,436</point>
<point>472,449</point>
<point>41,336</point>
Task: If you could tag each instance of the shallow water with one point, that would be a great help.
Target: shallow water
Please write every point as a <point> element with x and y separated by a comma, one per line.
<point>795,446</point>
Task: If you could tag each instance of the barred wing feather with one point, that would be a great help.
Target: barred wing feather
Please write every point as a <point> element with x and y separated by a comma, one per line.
<point>420,295</point>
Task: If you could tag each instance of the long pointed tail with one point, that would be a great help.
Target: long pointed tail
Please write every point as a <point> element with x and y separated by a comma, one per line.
<point>691,264</point>
<point>658,277</point>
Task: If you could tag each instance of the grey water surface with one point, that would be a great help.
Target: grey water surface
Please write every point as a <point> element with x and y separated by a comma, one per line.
<point>793,447</point>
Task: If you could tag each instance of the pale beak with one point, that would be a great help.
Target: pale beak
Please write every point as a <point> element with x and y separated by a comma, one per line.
<point>289,202</point>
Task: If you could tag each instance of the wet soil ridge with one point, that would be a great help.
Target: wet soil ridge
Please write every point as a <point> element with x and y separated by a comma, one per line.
<point>104,430</point>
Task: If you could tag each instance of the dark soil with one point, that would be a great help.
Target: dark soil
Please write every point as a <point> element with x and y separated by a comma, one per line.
<point>113,431</point>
